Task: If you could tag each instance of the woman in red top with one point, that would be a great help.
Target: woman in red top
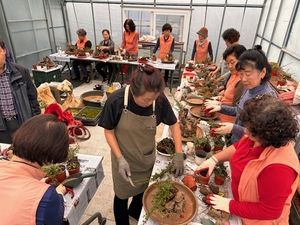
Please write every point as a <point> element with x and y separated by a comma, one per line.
<point>264,164</point>
<point>130,42</point>
<point>165,43</point>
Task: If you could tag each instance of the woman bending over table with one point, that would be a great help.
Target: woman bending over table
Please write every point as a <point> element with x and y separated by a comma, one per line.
<point>129,118</point>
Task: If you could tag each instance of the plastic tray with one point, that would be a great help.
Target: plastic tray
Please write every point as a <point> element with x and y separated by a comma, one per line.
<point>88,121</point>
<point>40,77</point>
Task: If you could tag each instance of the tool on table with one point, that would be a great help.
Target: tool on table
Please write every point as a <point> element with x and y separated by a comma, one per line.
<point>71,191</point>
<point>75,179</point>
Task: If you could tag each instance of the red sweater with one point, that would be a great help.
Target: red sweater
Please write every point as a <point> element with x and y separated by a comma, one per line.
<point>274,185</point>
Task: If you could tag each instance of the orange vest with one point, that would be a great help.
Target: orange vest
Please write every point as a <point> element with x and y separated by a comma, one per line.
<point>21,192</point>
<point>164,46</point>
<point>81,45</point>
<point>248,183</point>
<point>227,98</point>
<point>129,37</point>
<point>201,51</point>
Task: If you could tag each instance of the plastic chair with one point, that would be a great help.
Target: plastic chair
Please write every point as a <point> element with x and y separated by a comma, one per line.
<point>101,220</point>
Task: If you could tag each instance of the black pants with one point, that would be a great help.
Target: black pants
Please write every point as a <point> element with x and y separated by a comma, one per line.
<point>99,67</point>
<point>11,127</point>
<point>122,212</point>
<point>166,75</point>
<point>82,64</point>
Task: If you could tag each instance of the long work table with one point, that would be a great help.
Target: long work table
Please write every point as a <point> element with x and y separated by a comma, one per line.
<point>59,57</point>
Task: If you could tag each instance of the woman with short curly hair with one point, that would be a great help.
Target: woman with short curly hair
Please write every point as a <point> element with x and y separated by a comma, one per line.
<point>264,164</point>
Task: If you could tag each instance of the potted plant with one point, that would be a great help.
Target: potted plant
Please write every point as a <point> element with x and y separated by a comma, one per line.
<point>219,142</point>
<point>73,167</point>
<point>220,174</point>
<point>275,68</point>
<point>213,126</point>
<point>72,153</point>
<point>200,143</point>
<point>56,173</point>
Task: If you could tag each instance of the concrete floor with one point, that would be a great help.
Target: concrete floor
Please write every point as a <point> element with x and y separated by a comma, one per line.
<point>103,199</point>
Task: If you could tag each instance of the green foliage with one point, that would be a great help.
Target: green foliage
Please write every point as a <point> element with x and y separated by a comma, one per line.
<point>220,171</point>
<point>218,140</point>
<point>275,66</point>
<point>52,170</point>
<point>201,141</point>
<point>73,152</point>
<point>165,192</point>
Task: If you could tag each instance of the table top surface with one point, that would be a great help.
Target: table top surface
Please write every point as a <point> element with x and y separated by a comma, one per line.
<point>162,161</point>
<point>157,64</point>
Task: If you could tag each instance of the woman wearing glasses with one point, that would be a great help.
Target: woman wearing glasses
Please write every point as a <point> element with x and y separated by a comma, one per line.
<point>255,71</point>
<point>129,119</point>
<point>264,164</point>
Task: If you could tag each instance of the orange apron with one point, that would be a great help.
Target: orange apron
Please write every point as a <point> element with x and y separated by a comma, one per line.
<point>227,98</point>
<point>247,189</point>
<point>164,46</point>
<point>201,51</point>
<point>129,37</point>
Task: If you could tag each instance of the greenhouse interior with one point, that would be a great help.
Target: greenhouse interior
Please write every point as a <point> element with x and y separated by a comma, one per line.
<point>221,70</point>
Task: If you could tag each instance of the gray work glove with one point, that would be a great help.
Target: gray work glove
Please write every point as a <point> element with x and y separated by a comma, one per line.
<point>124,168</point>
<point>178,167</point>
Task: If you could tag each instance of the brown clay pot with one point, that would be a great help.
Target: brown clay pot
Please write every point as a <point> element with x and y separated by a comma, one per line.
<point>218,148</point>
<point>274,73</point>
<point>281,82</point>
<point>62,176</point>
<point>199,148</point>
<point>73,170</point>
<point>201,177</point>
<point>219,180</point>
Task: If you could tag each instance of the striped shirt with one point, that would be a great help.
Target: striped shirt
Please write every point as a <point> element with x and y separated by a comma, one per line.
<point>7,106</point>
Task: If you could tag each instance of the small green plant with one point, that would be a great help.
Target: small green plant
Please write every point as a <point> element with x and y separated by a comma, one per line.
<point>220,171</point>
<point>52,170</point>
<point>201,141</point>
<point>73,152</point>
<point>275,66</point>
<point>166,190</point>
<point>218,140</point>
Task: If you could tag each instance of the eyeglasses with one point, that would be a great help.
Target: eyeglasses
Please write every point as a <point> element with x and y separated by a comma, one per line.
<point>231,63</point>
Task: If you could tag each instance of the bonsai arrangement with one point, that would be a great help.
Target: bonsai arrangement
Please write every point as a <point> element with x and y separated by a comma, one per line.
<point>56,173</point>
<point>275,68</point>
<point>73,165</point>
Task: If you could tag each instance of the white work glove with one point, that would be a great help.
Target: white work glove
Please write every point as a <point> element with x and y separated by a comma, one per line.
<point>224,128</point>
<point>207,164</point>
<point>213,108</point>
<point>211,103</point>
<point>218,202</point>
<point>124,51</point>
<point>124,168</point>
<point>178,166</point>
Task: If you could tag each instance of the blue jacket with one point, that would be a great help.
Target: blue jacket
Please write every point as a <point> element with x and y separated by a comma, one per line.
<point>24,94</point>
